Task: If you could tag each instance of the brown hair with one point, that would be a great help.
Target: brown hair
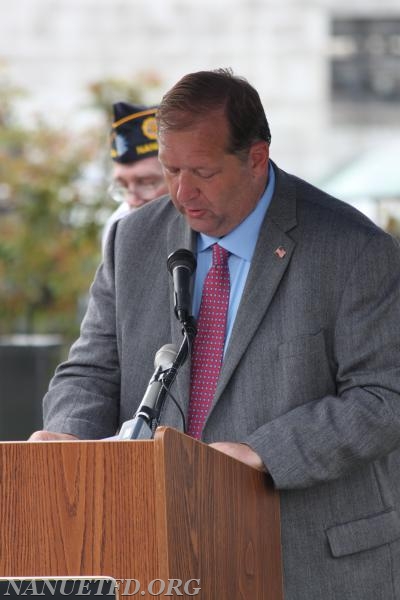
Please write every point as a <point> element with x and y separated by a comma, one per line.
<point>198,95</point>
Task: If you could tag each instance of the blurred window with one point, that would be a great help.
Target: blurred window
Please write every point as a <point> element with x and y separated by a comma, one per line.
<point>365,67</point>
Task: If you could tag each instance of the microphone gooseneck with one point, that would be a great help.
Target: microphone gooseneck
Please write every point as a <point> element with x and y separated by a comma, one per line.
<point>140,427</point>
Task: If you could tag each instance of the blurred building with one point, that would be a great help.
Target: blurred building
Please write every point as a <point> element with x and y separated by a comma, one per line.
<point>328,71</point>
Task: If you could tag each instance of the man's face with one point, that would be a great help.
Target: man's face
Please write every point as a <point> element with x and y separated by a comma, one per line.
<point>214,190</point>
<point>140,181</point>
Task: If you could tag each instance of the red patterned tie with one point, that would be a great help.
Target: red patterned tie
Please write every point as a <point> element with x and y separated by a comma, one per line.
<point>208,346</point>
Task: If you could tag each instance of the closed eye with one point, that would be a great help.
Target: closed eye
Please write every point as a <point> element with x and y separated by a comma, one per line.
<point>171,170</point>
<point>206,174</point>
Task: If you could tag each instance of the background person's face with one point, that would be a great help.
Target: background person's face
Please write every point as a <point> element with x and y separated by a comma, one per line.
<point>140,181</point>
<point>214,190</point>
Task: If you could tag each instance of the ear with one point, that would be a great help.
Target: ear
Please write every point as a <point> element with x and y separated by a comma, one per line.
<point>258,157</point>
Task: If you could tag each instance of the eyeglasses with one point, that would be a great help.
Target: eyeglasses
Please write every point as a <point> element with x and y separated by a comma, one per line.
<point>143,189</point>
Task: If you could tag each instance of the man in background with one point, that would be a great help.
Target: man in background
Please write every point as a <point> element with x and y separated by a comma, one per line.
<point>137,173</point>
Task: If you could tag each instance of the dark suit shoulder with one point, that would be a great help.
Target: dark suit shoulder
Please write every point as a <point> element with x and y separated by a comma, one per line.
<point>317,209</point>
<point>147,225</point>
<point>156,211</point>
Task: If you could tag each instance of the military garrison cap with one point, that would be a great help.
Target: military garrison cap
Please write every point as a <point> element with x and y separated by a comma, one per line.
<point>133,132</point>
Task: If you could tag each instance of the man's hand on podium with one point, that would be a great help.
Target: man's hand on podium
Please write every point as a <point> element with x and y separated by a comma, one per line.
<point>45,436</point>
<point>241,452</point>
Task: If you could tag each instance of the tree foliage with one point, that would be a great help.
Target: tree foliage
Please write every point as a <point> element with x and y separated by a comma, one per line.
<point>51,214</point>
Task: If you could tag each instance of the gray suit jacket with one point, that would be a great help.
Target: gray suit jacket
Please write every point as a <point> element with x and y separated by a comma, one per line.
<point>311,377</point>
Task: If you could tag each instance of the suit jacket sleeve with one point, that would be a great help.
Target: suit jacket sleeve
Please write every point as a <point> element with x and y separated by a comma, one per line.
<point>83,395</point>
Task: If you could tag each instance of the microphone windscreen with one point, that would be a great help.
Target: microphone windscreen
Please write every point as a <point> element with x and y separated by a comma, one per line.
<point>165,356</point>
<point>181,258</point>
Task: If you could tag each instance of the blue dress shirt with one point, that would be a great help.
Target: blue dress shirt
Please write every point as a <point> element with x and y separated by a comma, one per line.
<point>240,242</point>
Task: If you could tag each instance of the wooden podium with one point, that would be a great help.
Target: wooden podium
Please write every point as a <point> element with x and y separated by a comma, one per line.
<point>168,508</point>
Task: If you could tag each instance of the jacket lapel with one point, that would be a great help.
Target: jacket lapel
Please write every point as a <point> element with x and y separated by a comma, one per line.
<point>271,259</point>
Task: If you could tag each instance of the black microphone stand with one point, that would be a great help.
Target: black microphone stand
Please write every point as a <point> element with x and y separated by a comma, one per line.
<point>189,331</point>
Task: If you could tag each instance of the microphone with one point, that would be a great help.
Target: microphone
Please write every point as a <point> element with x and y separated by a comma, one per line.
<point>181,264</point>
<point>140,426</point>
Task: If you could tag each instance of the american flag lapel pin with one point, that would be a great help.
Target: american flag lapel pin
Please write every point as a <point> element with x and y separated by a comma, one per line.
<point>280,252</point>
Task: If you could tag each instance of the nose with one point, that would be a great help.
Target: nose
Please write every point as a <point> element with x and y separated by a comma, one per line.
<point>186,188</point>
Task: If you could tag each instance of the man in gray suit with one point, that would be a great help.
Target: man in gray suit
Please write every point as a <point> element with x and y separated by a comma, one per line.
<point>309,386</point>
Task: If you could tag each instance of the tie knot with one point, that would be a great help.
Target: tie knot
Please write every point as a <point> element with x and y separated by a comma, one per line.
<point>219,256</point>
